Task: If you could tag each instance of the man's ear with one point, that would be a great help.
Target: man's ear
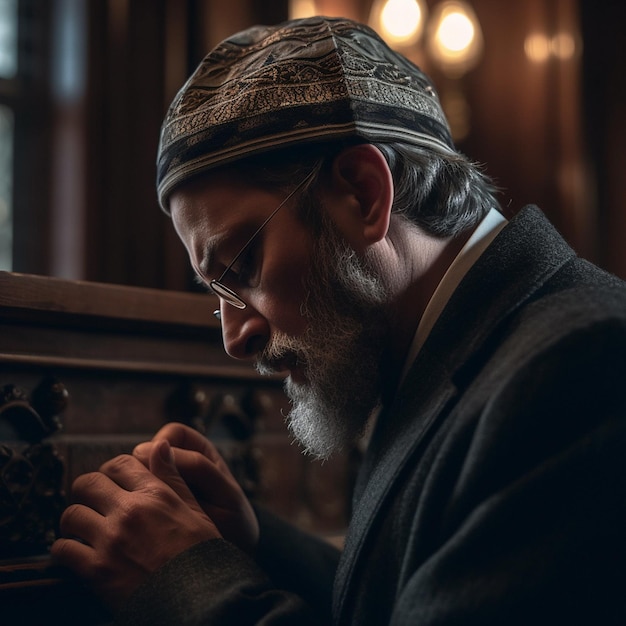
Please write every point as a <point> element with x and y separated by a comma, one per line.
<point>362,195</point>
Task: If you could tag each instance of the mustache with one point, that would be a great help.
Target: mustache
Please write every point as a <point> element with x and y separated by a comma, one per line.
<point>281,353</point>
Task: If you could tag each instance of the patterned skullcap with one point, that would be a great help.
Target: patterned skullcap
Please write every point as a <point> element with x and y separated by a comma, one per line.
<point>309,80</point>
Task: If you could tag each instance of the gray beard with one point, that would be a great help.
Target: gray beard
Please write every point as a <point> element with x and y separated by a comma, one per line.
<point>341,351</point>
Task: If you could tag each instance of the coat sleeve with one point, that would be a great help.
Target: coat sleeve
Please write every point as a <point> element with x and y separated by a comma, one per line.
<point>216,583</point>
<point>298,562</point>
<point>213,583</point>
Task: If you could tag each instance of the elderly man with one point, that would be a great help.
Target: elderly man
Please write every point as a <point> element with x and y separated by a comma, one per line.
<point>310,173</point>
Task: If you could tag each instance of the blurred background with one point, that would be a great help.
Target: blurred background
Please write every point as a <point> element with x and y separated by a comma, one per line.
<point>534,89</point>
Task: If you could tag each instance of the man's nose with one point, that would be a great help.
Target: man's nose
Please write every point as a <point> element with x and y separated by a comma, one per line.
<point>245,332</point>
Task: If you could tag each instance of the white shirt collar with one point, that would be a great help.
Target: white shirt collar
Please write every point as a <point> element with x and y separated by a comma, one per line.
<point>480,239</point>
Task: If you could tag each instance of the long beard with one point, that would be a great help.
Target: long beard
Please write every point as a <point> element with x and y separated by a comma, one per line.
<point>340,353</point>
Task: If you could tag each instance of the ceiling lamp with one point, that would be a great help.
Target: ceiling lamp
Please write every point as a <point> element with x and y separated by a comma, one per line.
<point>455,40</point>
<point>398,22</point>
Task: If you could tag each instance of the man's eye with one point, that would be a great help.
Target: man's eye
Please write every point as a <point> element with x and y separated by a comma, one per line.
<point>243,270</point>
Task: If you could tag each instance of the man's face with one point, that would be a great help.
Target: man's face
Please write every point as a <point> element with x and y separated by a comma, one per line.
<point>340,352</point>
<point>314,309</point>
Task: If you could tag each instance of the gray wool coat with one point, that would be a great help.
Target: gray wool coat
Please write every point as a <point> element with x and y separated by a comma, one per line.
<point>494,489</point>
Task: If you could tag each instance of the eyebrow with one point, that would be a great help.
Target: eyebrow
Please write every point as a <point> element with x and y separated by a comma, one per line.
<point>238,232</point>
<point>203,269</point>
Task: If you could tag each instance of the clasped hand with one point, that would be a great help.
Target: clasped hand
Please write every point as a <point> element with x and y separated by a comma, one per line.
<point>141,510</point>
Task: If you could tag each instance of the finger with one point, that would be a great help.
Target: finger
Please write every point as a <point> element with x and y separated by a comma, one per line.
<point>205,478</point>
<point>161,464</point>
<point>181,436</point>
<point>127,472</point>
<point>159,476</point>
<point>142,452</point>
<point>73,554</point>
<point>213,492</point>
<point>96,491</point>
<point>82,522</point>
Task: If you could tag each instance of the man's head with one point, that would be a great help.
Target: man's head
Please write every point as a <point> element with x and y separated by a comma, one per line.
<point>301,82</point>
<point>333,285</point>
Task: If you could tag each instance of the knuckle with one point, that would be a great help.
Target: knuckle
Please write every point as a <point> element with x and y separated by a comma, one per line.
<point>86,483</point>
<point>158,496</point>
<point>70,518</point>
<point>60,550</point>
<point>118,464</point>
<point>132,515</point>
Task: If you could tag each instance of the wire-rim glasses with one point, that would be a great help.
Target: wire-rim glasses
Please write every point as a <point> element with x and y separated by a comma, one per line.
<point>226,293</point>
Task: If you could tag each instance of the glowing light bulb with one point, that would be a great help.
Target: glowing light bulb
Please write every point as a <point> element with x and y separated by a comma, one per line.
<point>455,32</point>
<point>537,47</point>
<point>455,38</point>
<point>401,18</point>
<point>399,22</point>
<point>563,46</point>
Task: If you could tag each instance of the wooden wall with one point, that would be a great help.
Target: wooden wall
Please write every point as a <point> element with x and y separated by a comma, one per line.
<point>550,133</point>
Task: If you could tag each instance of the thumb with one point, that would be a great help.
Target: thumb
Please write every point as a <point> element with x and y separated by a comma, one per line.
<point>161,464</point>
<point>161,459</point>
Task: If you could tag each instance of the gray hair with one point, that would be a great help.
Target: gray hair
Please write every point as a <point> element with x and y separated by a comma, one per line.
<point>444,194</point>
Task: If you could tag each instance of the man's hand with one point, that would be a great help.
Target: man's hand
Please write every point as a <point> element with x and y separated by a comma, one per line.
<point>127,520</point>
<point>206,474</point>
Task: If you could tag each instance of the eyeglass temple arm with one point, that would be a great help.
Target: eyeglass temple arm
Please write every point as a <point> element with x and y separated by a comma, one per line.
<point>267,219</point>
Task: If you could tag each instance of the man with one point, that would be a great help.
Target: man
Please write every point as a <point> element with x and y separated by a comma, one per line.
<point>310,173</point>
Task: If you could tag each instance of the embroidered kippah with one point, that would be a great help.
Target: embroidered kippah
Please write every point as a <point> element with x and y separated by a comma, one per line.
<point>310,80</point>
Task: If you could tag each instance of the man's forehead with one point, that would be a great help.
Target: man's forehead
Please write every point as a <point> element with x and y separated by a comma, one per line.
<point>221,179</point>
<point>214,215</point>
<point>212,197</point>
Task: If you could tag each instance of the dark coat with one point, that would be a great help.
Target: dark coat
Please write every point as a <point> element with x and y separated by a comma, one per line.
<point>494,489</point>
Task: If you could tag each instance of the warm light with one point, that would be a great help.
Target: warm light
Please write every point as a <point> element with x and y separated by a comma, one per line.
<point>563,46</point>
<point>401,18</point>
<point>301,8</point>
<point>455,33</point>
<point>539,48</point>
<point>455,38</point>
<point>399,22</point>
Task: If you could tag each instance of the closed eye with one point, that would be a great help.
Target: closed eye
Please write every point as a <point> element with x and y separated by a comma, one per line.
<point>243,271</point>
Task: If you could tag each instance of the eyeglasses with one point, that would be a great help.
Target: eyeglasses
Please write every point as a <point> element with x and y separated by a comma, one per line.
<point>226,293</point>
